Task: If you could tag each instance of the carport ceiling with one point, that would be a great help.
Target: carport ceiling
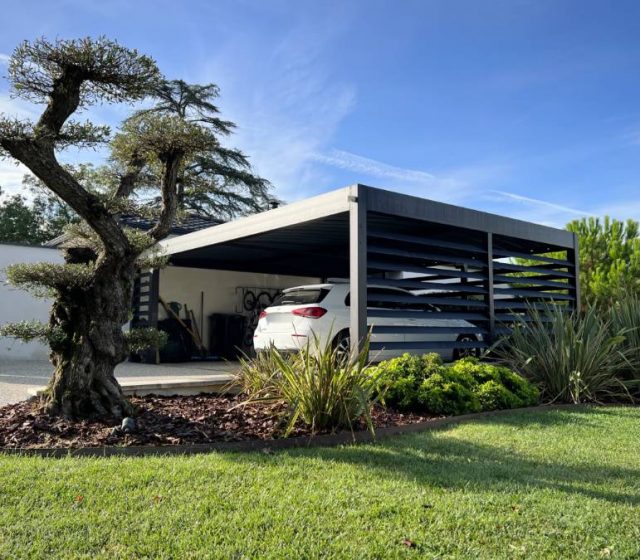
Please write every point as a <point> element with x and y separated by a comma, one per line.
<point>311,237</point>
<point>316,248</point>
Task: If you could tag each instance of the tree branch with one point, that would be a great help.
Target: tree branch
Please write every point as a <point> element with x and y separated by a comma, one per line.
<point>169,196</point>
<point>40,158</point>
<point>64,100</point>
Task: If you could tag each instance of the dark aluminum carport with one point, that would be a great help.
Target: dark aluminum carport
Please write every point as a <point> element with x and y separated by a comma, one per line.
<point>462,261</point>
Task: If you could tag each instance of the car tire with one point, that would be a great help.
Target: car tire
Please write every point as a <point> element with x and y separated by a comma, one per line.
<point>342,345</point>
<point>459,353</point>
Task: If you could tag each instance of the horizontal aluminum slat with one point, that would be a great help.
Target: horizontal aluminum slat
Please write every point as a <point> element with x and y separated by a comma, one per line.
<point>533,296</point>
<point>427,241</point>
<point>437,272</point>
<point>419,345</point>
<point>538,281</point>
<point>392,313</point>
<point>511,318</point>
<point>507,305</point>
<point>427,299</point>
<point>404,253</point>
<point>498,253</point>
<point>391,329</point>
<point>408,284</point>
<point>505,267</point>
<point>533,291</point>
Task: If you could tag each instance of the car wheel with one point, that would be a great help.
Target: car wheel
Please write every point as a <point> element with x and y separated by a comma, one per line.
<point>460,353</point>
<point>342,346</point>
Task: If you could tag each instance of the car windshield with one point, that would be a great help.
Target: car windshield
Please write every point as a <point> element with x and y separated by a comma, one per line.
<point>301,296</point>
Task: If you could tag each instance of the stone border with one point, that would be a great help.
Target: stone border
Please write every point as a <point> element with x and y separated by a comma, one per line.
<point>326,440</point>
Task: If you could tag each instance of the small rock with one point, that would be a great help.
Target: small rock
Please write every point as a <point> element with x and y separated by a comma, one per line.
<point>128,425</point>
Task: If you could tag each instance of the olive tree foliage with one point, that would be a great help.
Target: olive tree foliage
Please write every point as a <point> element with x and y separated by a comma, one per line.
<point>92,289</point>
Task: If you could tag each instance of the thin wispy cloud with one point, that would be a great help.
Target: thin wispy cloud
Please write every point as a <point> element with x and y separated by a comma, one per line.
<point>359,164</point>
<point>292,110</point>
<point>449,187</point>
<point>4,58</point>
<point>528,201</point>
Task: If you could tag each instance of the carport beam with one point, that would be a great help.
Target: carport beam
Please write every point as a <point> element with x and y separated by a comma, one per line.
<point>358,267</point>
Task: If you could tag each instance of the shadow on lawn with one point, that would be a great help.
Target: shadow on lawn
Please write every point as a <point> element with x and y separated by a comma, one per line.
<point>449,462</point>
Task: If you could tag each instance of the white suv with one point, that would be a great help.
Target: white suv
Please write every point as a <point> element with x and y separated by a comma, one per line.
<point>322,310</point>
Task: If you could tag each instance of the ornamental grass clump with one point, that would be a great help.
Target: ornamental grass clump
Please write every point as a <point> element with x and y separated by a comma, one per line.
<point>625,317</point>
<point>317,386</point>
<point>572,357</point>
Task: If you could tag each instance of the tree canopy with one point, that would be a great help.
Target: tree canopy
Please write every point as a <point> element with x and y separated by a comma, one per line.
<point>165,159</point>
<point>609,258</point>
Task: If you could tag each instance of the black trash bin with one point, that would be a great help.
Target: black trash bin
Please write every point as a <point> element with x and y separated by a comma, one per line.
<point>226,332</point>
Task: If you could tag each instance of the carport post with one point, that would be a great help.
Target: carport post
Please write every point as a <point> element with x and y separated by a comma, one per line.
<point>574,256</point>
<point>490,296</point>
<point>358,267</point>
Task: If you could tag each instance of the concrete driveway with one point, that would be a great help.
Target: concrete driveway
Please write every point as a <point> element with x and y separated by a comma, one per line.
<point>17,376</point>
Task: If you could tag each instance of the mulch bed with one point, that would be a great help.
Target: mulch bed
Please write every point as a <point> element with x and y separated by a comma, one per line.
<point>163,421</point>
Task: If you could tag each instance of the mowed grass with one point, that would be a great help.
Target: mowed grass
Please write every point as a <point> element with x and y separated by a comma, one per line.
<point>553,484</point>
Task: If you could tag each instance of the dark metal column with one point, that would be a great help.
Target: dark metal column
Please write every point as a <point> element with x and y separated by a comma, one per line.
<point>489,297</point>
<point>358,266</point>
<point>574,256</point>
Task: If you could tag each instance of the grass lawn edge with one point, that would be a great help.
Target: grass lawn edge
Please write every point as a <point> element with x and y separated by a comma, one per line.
<point>323,440</point>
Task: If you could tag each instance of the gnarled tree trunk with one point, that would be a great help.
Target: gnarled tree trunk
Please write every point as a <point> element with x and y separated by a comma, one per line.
<point>91,344</point>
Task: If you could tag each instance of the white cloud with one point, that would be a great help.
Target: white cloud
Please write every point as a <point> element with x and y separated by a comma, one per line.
<point>10,173</point>
<point>285,102</point>
<point>4,58</point>
<point>527,201</point>
<point>11,176</point>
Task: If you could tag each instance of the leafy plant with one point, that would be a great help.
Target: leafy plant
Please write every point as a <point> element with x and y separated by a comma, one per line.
<point>625,317</point>
<point>449,392</point>
<point>573,357</point>
<point>317,386</point>
<point>424,383</point>
<point>402,376</point>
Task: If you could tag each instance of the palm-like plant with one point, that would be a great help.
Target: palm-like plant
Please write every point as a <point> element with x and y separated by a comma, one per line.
<point>318,386</point>
<point>572,357</point>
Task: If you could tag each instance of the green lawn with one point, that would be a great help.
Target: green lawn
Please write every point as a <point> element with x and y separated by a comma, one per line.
<point>554,484</point>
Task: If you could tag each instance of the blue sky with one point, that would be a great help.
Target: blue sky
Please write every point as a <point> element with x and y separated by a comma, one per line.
<point>525,108</point>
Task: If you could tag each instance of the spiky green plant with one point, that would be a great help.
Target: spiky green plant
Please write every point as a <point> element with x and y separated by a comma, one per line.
<point>318,386</point>
<point>625,316</point>
<point>572,357</point>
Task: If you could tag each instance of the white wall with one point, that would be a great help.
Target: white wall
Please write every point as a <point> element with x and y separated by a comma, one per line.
<point>18,305</point>
<point>185,285</point>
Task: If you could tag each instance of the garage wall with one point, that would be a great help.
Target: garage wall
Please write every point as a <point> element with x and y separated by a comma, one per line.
<point>17,305</point>
<point>184,285</point>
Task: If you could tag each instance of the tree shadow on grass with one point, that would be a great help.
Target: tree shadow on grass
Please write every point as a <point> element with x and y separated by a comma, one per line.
<point>449,462</point>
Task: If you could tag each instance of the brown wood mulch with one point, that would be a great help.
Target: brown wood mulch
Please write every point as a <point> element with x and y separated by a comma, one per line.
<point>165,421</point>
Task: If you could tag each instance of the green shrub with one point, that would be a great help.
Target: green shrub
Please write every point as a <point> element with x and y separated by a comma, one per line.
<point>494,396</point>
<point>401,378</point>
<point>572,357</point>
<point>448,392</point>
<point>425,384</point>
<point>524,392</point>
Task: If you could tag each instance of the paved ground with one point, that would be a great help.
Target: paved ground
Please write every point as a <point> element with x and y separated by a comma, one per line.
<point>17,376</point>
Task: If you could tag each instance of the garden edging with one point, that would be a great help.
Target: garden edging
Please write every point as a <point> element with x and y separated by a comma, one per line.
<point>325,440</point>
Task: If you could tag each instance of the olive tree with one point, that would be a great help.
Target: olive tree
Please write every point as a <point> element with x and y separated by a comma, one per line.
<point>154,149</point>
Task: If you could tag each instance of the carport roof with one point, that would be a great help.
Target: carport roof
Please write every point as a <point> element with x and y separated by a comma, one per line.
<point>311,237</point>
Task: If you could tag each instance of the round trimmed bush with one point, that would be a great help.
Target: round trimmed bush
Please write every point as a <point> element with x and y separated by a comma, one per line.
<point>425,384</point>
